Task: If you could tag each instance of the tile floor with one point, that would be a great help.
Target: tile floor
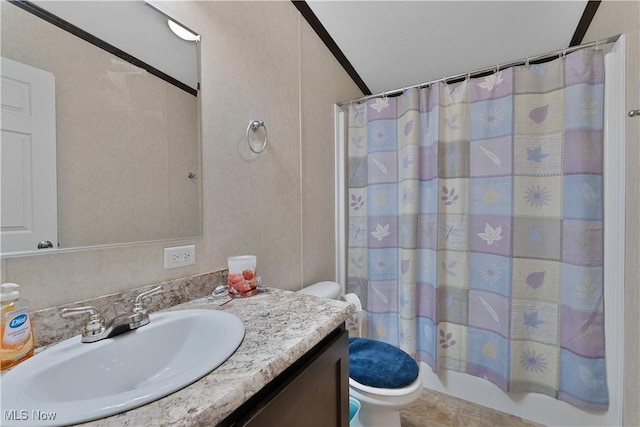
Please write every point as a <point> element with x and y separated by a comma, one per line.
<point>435,409</point>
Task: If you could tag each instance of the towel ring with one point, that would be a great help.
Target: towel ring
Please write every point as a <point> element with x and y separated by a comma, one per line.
<point>254,125</point>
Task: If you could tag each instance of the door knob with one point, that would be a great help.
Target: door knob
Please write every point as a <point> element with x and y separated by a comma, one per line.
<point>45,244</point>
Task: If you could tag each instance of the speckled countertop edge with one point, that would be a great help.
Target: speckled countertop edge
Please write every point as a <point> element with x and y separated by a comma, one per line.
<point>281,326</point>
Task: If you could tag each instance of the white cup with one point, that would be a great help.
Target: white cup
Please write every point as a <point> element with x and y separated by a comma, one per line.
<point>241,281</point>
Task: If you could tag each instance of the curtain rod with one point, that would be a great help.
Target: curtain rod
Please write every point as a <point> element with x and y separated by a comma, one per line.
<point>476,73</point>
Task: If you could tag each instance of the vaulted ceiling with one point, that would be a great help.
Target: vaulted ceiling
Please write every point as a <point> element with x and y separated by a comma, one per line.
<point>395,44</point>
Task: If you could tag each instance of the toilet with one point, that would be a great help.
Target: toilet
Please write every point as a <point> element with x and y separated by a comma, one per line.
<point>382,391</point>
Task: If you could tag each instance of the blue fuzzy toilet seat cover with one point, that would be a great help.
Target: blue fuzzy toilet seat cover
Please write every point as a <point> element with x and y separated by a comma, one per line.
<point>378,364</point>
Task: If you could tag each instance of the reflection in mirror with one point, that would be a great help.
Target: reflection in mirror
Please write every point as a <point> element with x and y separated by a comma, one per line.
<point>127,141</point>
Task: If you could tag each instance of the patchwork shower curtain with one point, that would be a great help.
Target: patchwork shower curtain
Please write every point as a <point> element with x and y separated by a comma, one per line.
<point>475,225</point>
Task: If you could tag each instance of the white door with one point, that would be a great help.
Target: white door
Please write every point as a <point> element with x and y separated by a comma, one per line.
<point>28,209</point>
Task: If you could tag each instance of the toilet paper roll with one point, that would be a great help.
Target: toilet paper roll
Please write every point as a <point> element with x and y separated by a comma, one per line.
<point>354,322</point>
<point>353,299</point>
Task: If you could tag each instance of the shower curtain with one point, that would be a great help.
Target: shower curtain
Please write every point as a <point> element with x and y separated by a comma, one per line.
<point>475,225</point>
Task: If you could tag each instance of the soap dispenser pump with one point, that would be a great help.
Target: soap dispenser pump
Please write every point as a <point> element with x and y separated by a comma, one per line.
<point>16,336</point>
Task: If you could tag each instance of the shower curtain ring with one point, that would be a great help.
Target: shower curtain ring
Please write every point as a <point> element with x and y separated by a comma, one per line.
<point>254,125</point>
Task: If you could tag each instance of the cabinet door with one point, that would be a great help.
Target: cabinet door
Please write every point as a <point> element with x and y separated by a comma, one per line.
<point>318,396</point>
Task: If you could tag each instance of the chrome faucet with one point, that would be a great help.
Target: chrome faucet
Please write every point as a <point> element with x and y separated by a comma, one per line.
<point>96,329</point>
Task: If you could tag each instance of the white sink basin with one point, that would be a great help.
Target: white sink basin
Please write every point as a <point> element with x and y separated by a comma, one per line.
<point>72,382</point>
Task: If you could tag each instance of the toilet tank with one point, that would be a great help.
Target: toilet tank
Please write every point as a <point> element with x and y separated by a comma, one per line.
<point>330,290</point>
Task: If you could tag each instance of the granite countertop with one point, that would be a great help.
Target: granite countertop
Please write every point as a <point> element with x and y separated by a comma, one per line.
<point>281,326</point>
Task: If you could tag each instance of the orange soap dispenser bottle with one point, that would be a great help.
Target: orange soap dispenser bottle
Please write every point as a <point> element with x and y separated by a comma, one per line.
<point>16,336</point>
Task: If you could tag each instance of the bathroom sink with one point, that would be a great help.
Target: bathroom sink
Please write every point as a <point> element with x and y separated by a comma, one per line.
<point>72,382</point>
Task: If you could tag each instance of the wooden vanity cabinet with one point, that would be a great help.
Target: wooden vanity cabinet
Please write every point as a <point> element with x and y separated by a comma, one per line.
<point>314,391</point>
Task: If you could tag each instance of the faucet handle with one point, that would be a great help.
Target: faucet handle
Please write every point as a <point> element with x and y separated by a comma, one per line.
<point>94,326</point>
<point>138,304</point>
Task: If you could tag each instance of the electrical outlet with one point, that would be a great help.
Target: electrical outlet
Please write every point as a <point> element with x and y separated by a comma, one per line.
<point>179,256</point>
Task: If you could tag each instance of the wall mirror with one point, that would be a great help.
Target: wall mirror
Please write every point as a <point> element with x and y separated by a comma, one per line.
<point>127,120</point>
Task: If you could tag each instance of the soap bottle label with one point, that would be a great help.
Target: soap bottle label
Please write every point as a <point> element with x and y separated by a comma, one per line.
<point>17,328</point>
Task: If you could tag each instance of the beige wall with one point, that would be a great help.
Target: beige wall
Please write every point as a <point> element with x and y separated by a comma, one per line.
<point>259,60</point>
<point>616,17</point>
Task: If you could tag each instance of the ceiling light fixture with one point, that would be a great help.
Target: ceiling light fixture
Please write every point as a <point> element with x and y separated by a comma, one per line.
<point>182,32</point>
